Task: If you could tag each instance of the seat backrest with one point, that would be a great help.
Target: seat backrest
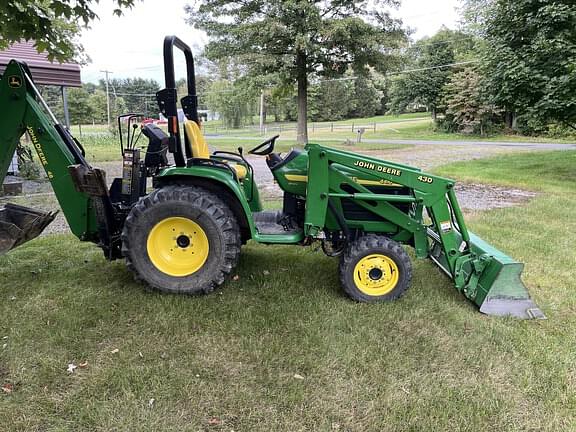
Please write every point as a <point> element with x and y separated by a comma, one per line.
<point>197,140</point>
<point>156,152</point>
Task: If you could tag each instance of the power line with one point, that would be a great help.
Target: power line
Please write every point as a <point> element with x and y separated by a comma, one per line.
<point>433,67</point>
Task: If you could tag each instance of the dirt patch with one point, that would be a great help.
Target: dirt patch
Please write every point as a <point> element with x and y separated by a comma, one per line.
<point>30,186</point>
<point>475,196</point>
<point>471,196</point>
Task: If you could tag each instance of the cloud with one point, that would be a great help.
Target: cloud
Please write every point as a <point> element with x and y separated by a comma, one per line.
<point>426,17</point>
<point>131,45</point>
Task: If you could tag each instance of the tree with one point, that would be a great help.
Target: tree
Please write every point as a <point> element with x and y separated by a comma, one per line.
<point>53,97</point>
<point>331,100</point>
<point>203,83</point>
<point>467,110</point>
<point>367,99</point>
<point>52,24</point>
<point>99,111</point>
<point>529,58</point>
<point>428,58</point>
<point>295,38</point>
<point>98,107</point>
<point>138,93</point>
<point>232,100</point>
<point>79,106</point>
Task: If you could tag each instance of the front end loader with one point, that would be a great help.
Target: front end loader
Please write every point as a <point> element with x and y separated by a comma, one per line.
<point>184,233</point>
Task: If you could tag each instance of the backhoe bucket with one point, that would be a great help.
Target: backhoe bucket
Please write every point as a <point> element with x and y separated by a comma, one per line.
<point>19,224</point>
<point>500,289</point>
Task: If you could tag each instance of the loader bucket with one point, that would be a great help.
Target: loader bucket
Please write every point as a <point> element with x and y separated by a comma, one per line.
<point>19,224</point>
<point>500,290</point>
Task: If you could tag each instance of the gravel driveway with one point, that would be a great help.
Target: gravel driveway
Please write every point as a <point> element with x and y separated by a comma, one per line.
<point>472,197</point>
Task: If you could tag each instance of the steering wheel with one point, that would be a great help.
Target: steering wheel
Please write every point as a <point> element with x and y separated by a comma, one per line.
<point>265,148</point>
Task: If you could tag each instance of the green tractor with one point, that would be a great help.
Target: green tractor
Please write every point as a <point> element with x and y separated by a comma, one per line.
<point>185,235</point>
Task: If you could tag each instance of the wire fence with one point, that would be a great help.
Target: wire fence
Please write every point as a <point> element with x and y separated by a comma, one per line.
<point>252,129</point>
<point>353,127</point>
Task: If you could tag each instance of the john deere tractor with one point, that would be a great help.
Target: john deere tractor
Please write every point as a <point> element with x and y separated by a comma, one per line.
<point>180,214</point>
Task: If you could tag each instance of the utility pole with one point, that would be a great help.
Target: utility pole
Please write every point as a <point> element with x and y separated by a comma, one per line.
<point>262,112</point>
<point>107,94</point>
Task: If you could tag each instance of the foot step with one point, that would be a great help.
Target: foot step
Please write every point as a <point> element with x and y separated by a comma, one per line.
<point>274,222</point>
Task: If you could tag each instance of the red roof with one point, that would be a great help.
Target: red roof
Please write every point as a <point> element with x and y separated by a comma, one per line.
<point>43,71</point>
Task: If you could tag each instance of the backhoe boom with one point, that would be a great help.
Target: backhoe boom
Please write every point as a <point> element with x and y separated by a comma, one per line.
<point>23,113</point>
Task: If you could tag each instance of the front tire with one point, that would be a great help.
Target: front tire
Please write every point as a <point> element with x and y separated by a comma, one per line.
<point>181,239</point>
<point>375,268</point>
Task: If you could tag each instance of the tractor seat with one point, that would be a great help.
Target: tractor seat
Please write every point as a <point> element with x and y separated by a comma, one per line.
<point>200,147</point>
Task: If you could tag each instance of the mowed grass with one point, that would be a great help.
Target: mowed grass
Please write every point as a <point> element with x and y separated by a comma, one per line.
<point>104,148</point>
<point>343,133</point>
<point>281,349</point>
<point>423,129</point>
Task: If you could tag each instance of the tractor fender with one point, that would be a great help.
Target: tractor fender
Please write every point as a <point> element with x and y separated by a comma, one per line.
<point>219,182</point>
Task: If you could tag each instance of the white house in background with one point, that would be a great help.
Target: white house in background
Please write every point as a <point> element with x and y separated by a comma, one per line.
<point>13,167</point>
<point>207,115</point>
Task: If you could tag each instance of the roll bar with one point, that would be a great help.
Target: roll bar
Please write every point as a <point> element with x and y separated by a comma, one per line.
<point>167,98</point>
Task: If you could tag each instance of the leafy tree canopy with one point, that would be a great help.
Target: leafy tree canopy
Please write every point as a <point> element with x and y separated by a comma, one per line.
<point>529,57</point>
<point>467,109</point>
<point>138,93</point>
<point>297,37</point>
<point>79,106</point>
<point>52,24</point>
<point>428,59</point>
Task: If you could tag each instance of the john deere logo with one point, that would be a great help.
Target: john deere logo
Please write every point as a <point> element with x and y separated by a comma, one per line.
<point>14,81</point>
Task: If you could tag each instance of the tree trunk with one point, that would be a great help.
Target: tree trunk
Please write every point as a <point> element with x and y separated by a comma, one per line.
<point>302,79</point>
<point>510,119</point>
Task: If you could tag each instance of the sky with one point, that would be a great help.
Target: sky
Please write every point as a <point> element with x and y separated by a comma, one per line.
<point>131,45</point>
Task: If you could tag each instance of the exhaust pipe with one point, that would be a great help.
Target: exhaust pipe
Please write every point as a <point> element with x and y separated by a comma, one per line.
<point>20,224</point>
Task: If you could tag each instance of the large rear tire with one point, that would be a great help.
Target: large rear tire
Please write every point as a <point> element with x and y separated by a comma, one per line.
<point>181,239</point>
<point>375,268</point>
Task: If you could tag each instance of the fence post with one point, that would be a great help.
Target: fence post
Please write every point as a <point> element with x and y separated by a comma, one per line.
<point>331,127</point>
<point>352,126</point>
<point>374,127</point>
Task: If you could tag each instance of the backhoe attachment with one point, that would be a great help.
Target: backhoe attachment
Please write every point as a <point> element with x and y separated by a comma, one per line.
<point>20,224</point>
<point>25,111</point>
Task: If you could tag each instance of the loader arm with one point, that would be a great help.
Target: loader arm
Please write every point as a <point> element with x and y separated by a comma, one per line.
<point>434,193</point>
<point>23,112</point>
<point>485,275</point>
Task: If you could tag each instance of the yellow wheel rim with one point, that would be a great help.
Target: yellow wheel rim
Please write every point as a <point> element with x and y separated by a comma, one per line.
<point>177,246</point>
<point>376,275</point>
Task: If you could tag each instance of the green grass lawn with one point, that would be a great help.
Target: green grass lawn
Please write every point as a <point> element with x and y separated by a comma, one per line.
<point>281,349</point>
<point>107,148</point>
<point>413,126</point>
<point>423,129</point>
